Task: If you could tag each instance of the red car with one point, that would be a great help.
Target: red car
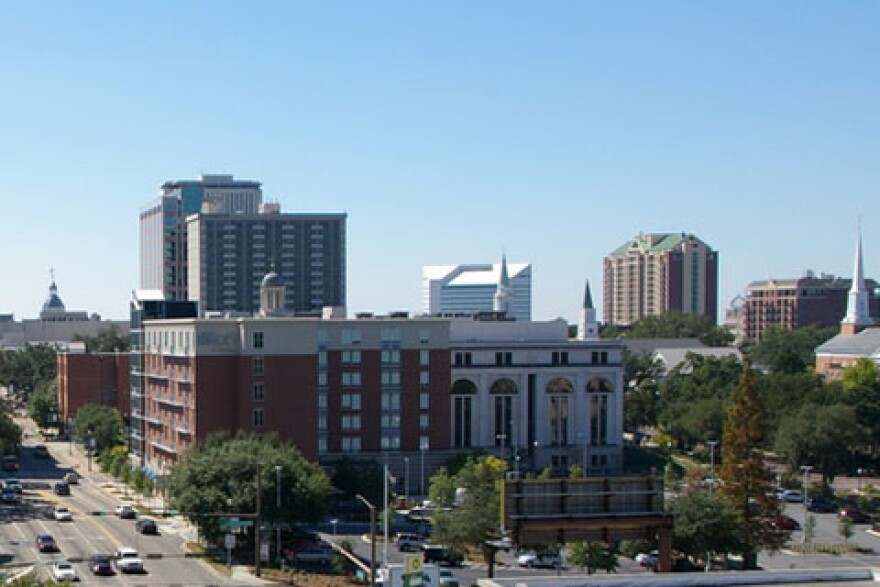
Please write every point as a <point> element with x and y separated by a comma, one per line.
<point>855,514</point>
<point>45,543</point>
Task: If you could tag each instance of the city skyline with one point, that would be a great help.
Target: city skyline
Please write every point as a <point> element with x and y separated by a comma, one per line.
<point>448,133</point>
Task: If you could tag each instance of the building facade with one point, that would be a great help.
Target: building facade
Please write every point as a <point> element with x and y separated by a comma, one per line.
<point>163,241</point>
<point>369,387</point>
<point>794,303</point>
<point>92,378</point>
<point>230,254</point>
<point>657,273</point>
<point>469,289</point>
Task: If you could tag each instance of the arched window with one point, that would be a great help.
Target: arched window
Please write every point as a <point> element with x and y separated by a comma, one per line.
<point>503,385</point>
<point>464,387</point>
<point>599,386</point>
<point>559,385</point>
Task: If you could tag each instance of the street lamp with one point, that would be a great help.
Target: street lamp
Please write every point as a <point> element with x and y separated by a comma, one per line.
<point>372,509</point>
<point>806,470</point>
<point>422,449</point>
<point>278,507</point>
<point>406,480</point>
<point>712,445</point>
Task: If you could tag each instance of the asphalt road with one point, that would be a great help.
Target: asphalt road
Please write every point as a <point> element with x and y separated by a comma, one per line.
<point>88,533</point>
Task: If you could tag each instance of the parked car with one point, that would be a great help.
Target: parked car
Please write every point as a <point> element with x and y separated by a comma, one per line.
<point>72,478</point>
<point>786,523</point>
<point>314,555</point>
<point>100,565</point>
<point>126,511</point>
<point>439,554</point>
<point>62,514</point>
<point>10,463</point>
<point>146,526</point>
<point>41,452</point>
<point>544,561</point>
<point>448,579</point>
<point>45,543</point>
<point>854,514</point>
<point>821,505</point>
<point>128,561</point>
<point>64,571</point>
<point>792,496</point>
<point>12,484</point>
<point>62,488</point>
<point>409,542</point>
<point>647,559</point>
<point>9,496</point>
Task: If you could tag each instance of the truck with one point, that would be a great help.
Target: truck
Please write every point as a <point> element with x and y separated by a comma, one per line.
<point>128,561</point>
<point>392,576</point>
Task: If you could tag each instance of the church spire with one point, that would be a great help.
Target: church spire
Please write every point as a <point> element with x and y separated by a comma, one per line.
<point>501,301</point>
<point>588,328</point>
<point>858,315</point>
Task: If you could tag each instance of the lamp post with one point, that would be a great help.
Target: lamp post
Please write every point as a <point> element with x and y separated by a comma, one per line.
<point>278,507</point>
<point>806,470</point>
<point>422,449</point>
<point>372,509</point>
<point>712,445</point>
<point>257,566</point>
<point>406,480</point>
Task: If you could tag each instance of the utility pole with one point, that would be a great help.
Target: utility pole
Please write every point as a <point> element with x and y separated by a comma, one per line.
<point>257,570</point>
<point>372,509</point>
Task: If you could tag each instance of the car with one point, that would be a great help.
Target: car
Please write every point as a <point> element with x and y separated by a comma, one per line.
<point>409,542</point>
<point>64,571</point>
<point>786,523</point>
<point>448,579</point>
<point>41,452</point>
<point>533,560</point>
<point>8,496</point>
<point>61,488</point>
<point>647,559</point>
<point>854,514</point>
<point>314,555</point>
<point>100,565</point>
<point>146,526</point>
<point>62,514</point>
<point>12,484</point>
<point>439,554</point>
<point>72,478</point>
<point>10,464</point>
<point>126,511</point>
<point>128,561</point>
<point>791,496</point>
<point>45,543</point>
<point>821,505</point>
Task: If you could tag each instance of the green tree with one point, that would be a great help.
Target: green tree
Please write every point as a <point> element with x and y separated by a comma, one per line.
<point>745,477</point>
<point>789,351</point>
<point>23,370</point>
<point>442,488</point>
<point>641,372</point>
<point>358,477</point>
<point>10,434</point>
<point>43,404</point>
<point>219,474</point>
<point>705,522</point>
<point>822,436</point>
<point>861,390</point>
<point>594,556</point>
<point>845,528</point>
<point>107,340</point>
<point>102,423</point>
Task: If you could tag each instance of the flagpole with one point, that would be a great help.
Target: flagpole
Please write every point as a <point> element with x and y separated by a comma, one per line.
<point>387,513</point>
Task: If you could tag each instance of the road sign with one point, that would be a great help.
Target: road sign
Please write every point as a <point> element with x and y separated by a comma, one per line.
<point>264,551</point>
<point>233,524</point>
<point>229,541</point>
<point>412,563</point>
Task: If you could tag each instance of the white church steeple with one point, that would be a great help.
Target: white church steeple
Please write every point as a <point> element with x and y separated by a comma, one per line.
<point>501,301</point>
<point>858,316</point>
<point>588,329</point>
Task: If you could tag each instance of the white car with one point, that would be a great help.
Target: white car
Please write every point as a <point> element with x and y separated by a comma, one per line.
<point>62,514</point>
<point>128,561</point>
<point>64,571</point>
<point>547,560</point>
<point>647,559</point>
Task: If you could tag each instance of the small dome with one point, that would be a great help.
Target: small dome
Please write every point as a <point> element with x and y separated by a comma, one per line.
<point>272,279</point>
<point>53,303</point>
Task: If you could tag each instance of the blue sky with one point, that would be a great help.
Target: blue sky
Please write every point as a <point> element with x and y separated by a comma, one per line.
<point>448,131</point>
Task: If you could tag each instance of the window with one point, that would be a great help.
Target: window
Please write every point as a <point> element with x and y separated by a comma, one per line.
<point>390,377</point>
<point>423,443</point>
<point>390,401</point>
<point>322,379</point>
<point>390,335</point>
<point>351,336</point>
<point>424,336</point>
<point>322,422</point>
<point>259,418</point>
<point>424,400</point>
<point>463,359</point>
<point>559,421</point>
<point>258,340</point>
<point>423,378</point>
<point>594,357</point>
<point>424,422</point>
<point>461,421</point>
<point>603,357</point>
<point>259,366</point>
<point>322,401</point>
<point>259,391</point>
<point>390,421</point>
<point>598,419</point>
<point>322,445</point>
<point>351,422</point>
<point>503,358</point>
<point>351,401</point>
<point>322,359</point>
<point>351,443</point>
<point>424,357</point>
<point>351,379</point>
<point>504,421</point>
<point>351,357</point>
<point>560,358</point>
<point>391,357</point>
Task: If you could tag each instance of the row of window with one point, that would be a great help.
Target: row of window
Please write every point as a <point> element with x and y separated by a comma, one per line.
<point>505,358</point>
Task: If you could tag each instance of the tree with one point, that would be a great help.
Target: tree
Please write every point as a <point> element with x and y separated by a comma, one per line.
<point>442,488</point>
<point>845,528</point>
<point>705,522</point>
<point>594,556</point>
<point>641,373</point>
<point>823,436</point>
<point>10,434</point>
<point>358,477</point>
<point>102,423</point>
<point>789,351</point>
<point>107,340</point>
<point>23,370</point>
<point>43,404</point>
<point>745,478</point>
<point>219,474</point>
<point>673,325</point>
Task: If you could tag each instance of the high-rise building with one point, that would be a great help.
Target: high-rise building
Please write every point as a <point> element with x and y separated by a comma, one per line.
<point>212,240</point>
<point>471,289</point>
<point>657,273</point>
<point>163,242</point>
<point>235,251</point>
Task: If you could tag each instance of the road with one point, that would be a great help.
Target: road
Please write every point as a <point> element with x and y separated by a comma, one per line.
<point>94,529</point>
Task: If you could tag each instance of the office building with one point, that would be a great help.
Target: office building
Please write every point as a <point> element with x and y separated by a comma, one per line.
<point>657,273</point>
<point>465,290</point>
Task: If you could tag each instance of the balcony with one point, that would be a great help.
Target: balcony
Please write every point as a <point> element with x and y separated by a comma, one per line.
<point>183,430</point>
<point>156,376</point>
<point>152,420</point>
<point>167,401</point>
<point>163,447</point>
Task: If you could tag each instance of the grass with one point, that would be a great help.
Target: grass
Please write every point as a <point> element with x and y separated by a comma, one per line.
<point>836,548</point>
